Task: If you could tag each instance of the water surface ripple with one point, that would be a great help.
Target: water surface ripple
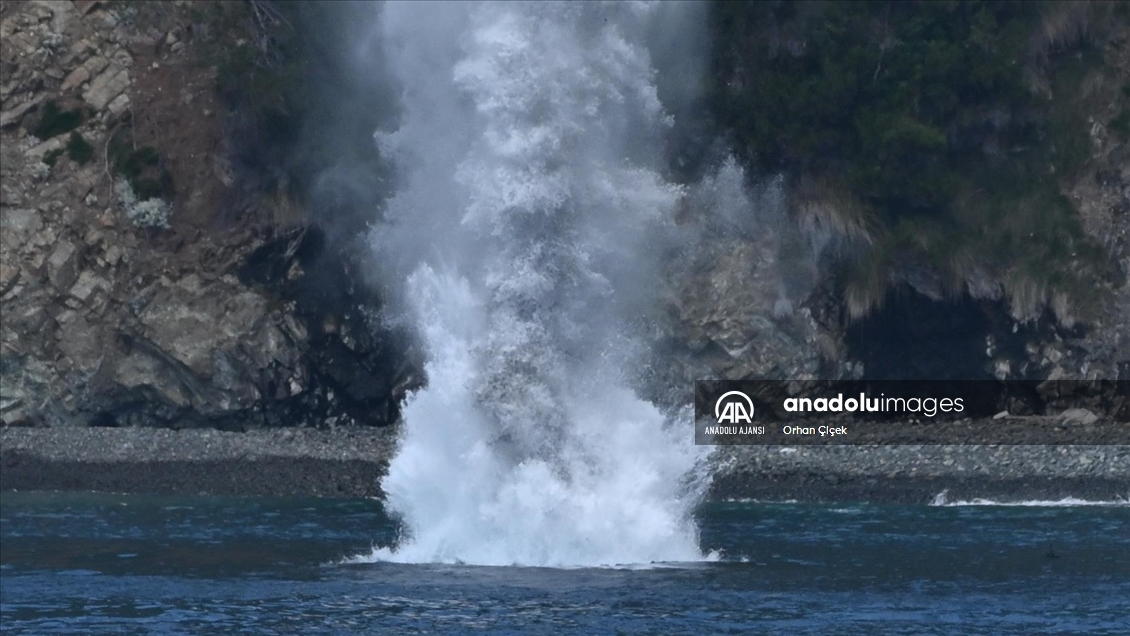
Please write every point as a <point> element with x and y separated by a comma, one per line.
<point>82,564</point>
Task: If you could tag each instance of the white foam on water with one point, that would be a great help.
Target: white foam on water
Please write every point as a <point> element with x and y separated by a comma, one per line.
<point>942,500</point>
<point>525,226</point>
<point>768,502</point>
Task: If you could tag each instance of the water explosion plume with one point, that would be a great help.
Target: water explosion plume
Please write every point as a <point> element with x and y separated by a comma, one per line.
<point>524,237</point>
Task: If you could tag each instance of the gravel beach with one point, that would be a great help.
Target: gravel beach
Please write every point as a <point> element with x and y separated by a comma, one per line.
<point>921,474</point>
<point>278,462</point>
<point>349,463</point>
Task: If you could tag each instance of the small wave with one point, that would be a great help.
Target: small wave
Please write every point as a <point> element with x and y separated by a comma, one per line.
<point>751,500</point>
<point>385,555</point>
<point>942,500</point>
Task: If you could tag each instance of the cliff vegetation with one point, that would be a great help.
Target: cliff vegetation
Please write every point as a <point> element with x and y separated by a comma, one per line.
<point>933,139</point>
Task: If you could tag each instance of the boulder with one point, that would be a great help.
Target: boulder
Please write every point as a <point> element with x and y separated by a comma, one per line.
<point>25,382</point>
<point>1078,416</point>
<point>62,265</point>
<point>80,342</point>
<point>88,283</point>
<point>9,276</point>
<point>82,74</point>
<point>106,87</point>
<point>14,115</point>
<point>18,226</point>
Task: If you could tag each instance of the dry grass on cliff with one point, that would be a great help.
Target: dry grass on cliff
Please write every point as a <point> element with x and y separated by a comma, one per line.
<point>866,287</point>
<point>1068,25</point>
<point>833,218</point>
<point>830,211</point>
<point>1064,25</point>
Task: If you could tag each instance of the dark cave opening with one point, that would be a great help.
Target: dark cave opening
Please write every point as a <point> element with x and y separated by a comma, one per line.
<point>917,339</point>
<point>912,337</point>
<point>104,419</point>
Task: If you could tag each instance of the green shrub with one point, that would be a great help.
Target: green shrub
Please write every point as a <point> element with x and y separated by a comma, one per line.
<point>52,157</point>
<point>131,163</point>
<point>1121,125</point>
<point>273,96</point>
<point>78,149</point>
<point>142,168</point>
<point>927,115</point>
<point>56,122</point>
<point>262,73</point>
<point>159,186</point>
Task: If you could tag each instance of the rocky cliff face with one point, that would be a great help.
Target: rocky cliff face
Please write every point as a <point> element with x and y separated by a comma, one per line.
<point>192,298</point>
<point>146,303</point>
<point>728,320</point>
<point>1101,194</point>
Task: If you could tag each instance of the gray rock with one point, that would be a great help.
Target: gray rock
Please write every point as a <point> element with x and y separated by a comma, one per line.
<point>82,74</point>
<point>62,266</point>
<point>24,381</point>
<point>81,342</point>
<point>9,276</point>
<point>727,311</point>
<point>88,283</point>
<point>1079,416</point>
<point>118,105</point>
<point>191,325</point>
<point>18,226</point>
<point>108,85</point>
<point>9,196</point>
<point>15,115</point>
<point>139,371</point>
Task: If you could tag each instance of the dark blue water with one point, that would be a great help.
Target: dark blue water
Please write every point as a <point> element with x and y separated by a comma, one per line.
<point>105,564</point>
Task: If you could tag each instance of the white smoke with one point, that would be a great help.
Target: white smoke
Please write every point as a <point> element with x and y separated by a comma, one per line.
<point>525,237</point>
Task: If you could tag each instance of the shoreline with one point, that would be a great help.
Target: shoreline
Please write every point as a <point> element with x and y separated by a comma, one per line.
<point>350,463</point>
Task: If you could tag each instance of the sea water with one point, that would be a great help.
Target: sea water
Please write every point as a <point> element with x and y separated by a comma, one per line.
<point>110,564</point>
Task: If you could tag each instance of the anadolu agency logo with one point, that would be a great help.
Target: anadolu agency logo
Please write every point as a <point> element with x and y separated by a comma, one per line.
<point>734,413</point>
<point>733,407</point>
